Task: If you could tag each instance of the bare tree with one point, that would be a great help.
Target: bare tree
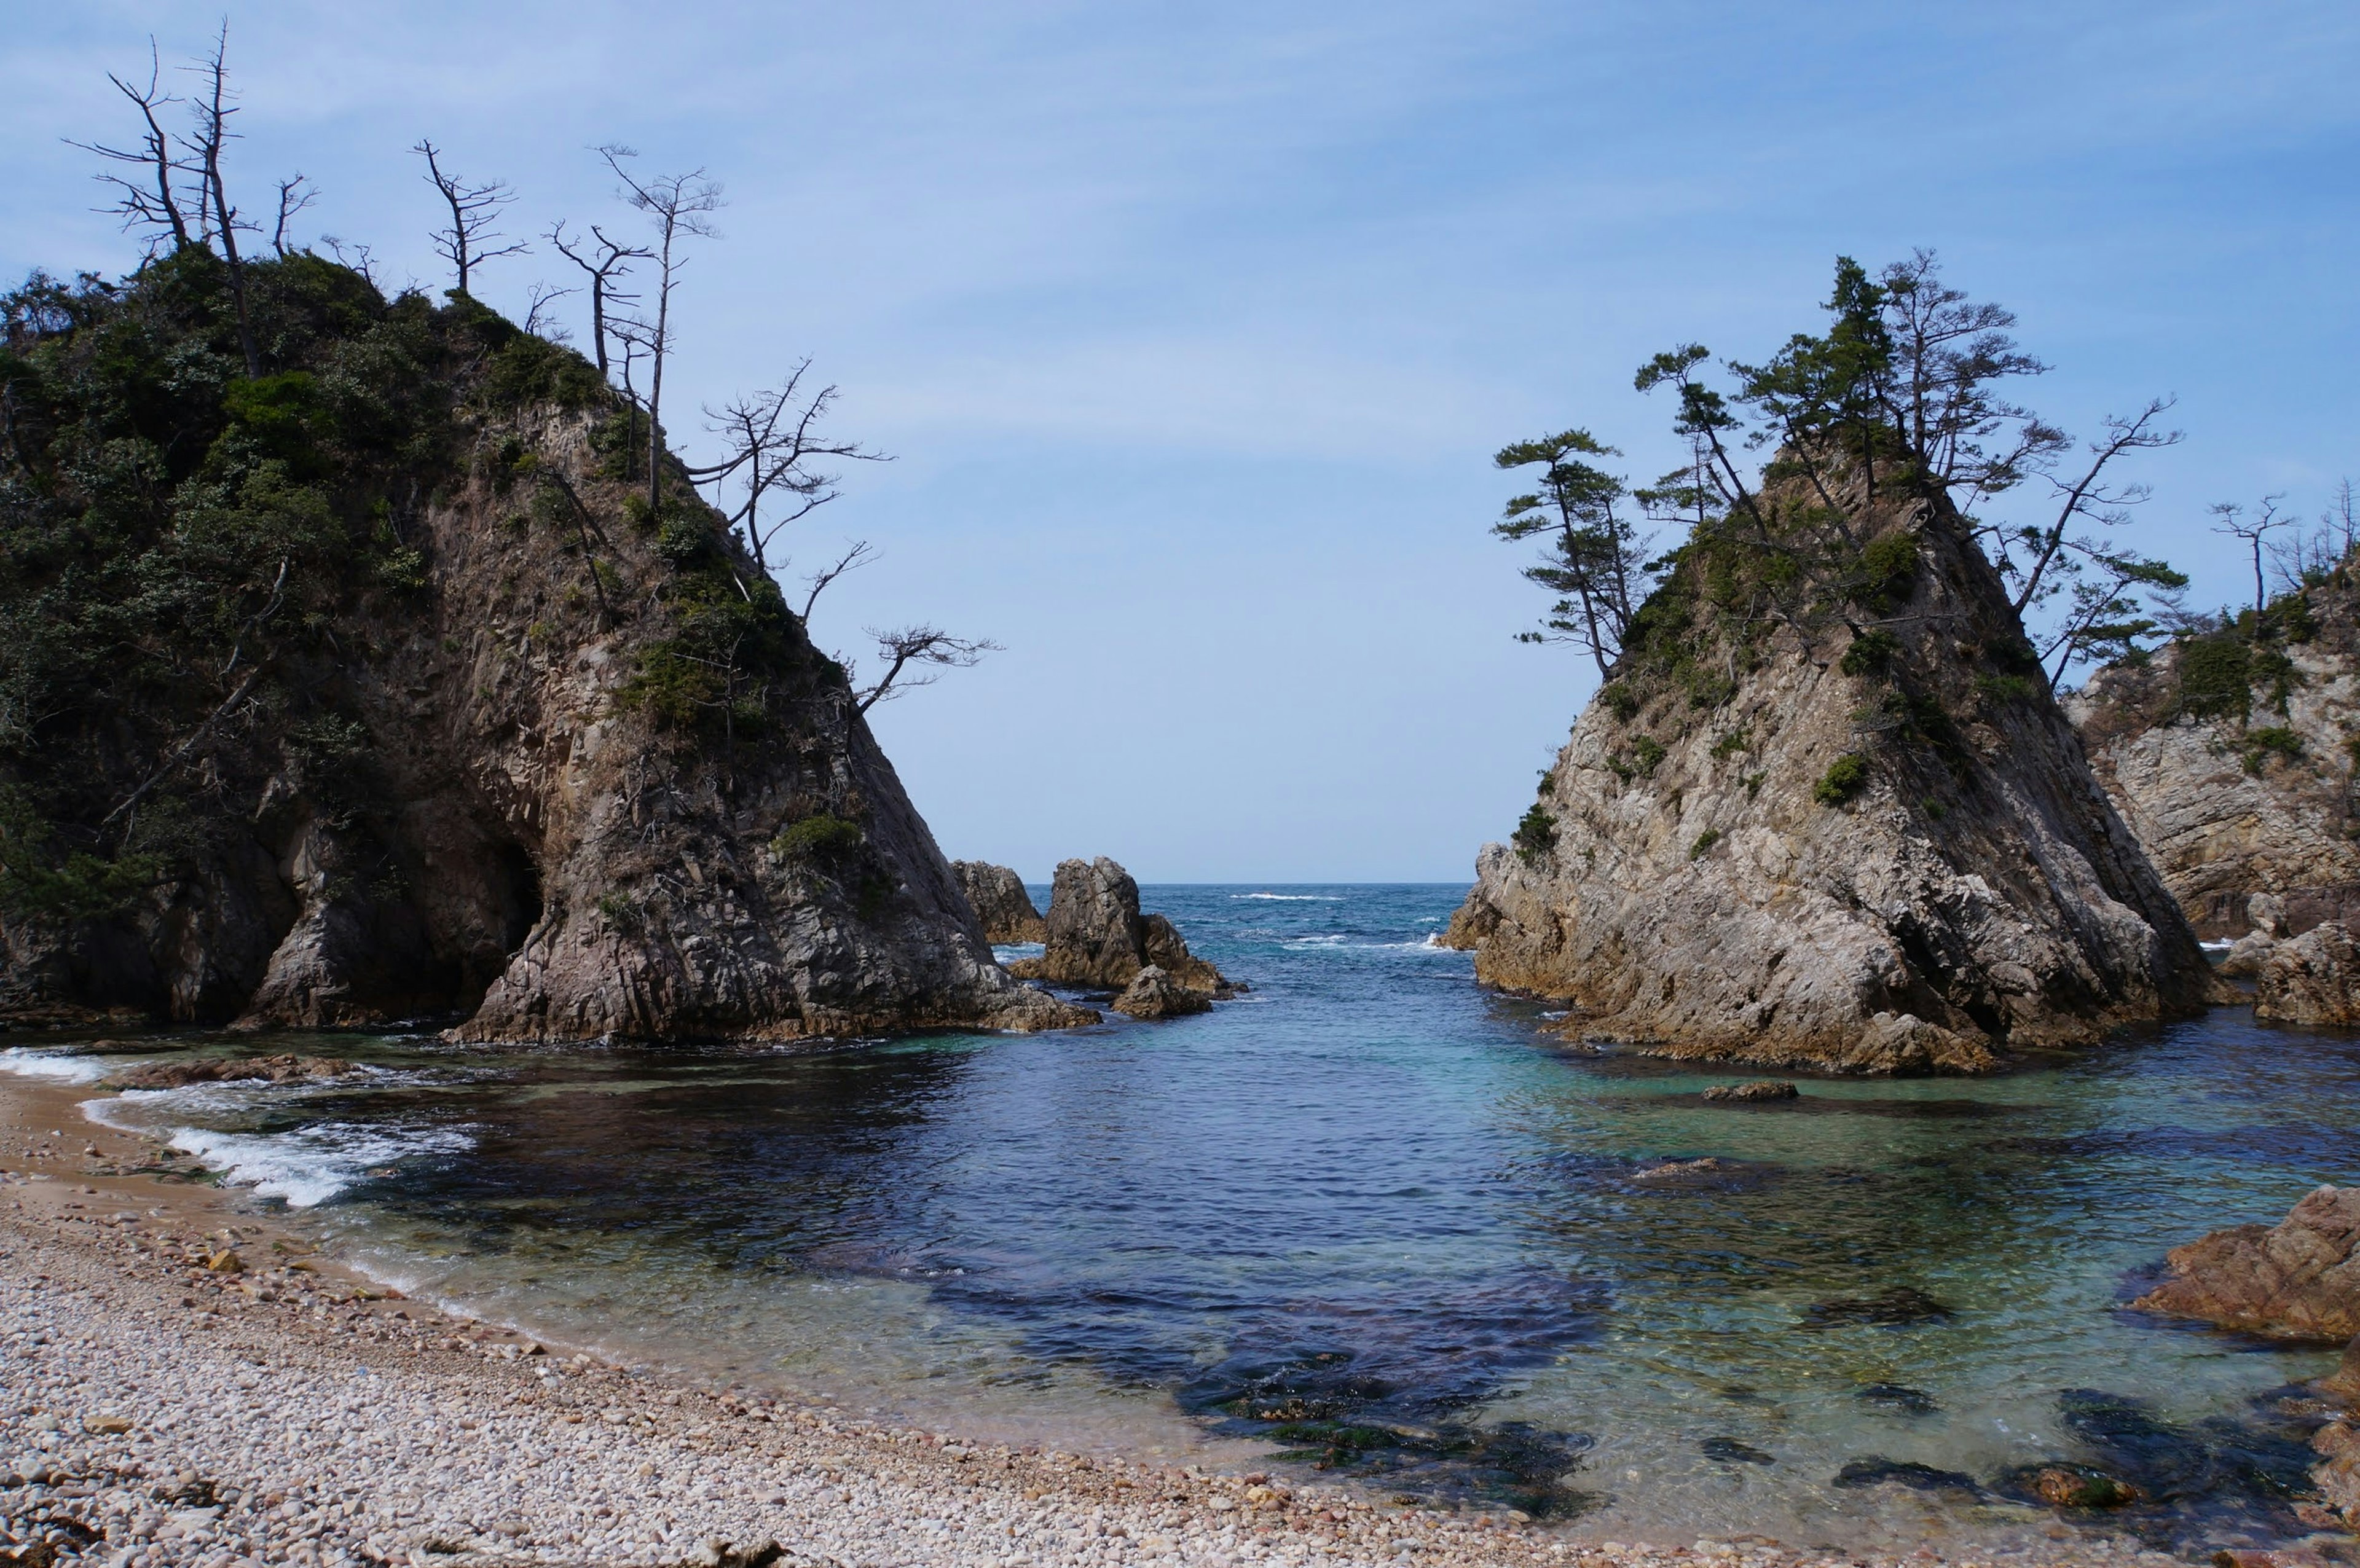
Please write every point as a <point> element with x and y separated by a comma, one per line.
<point>773,438</point>
<point>2232,521</point>
<point>858,555</point>
<point>467,243</point>
<point>363,260</point>
<point>147,200</point>
<point>213,135</point>
<point>678,207</point>
<point>2309,559</point>
<point>931,648</point>
<point>292,198</point>
<point>536,319</point>
<point>609,262</point>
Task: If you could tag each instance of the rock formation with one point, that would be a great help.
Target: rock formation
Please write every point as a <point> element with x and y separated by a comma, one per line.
<point>2297,1279</point>
<point>1097,936</point>
<point>1869,850</point>
<point>2230,755</point>
<point>433,712</point>
<point>997,897</point>
<point>231,1070</point>
<point>2313,978</point>
<point>1154,994</point>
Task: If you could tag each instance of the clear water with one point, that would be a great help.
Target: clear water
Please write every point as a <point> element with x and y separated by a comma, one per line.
<point>1367,1217</point>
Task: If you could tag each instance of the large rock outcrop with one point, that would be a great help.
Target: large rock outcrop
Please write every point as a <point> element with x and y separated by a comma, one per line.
<point>1097,936</point>
<point>441,716</point>
<point>1870,846</point>
<point>2298,1279</point>
<point>2230,755</point>
<point>997,897</point>
<point>2313,978</point>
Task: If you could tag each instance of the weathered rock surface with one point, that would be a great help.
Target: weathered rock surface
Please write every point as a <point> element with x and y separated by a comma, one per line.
<point>2297,1279</point>
<point>1097,936</point>
<point>1746,853</point>
<point>997,897</point>
<point>283,1068</point>
<point>1155,994</point>
<point>553,767</point>
<point>2313,978</point>
<point>2337,1474</point>
<point>2230,758</point>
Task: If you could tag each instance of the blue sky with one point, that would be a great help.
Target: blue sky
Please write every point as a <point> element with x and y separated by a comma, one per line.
<point>1192,327</point>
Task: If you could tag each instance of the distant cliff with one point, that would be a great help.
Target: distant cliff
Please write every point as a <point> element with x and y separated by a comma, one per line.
<point>372,688</point>
<point>1872,847</point>
<point>2231,755</point>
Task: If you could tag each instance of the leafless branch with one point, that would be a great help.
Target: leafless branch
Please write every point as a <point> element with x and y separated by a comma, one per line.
<point>928,647</point>
<point>859,555</point>
<point>467,243</point>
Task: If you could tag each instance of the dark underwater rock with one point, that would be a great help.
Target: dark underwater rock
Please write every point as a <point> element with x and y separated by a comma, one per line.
<point>1732,1451</point>
<point>1895,1396</point>
<point>1905,1473</point>
<point>1896,1308</point>
<point>1759,1090</point>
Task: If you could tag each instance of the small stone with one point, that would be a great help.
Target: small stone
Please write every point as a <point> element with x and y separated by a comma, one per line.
<point>225,1262</point>
<point>105,1426</point>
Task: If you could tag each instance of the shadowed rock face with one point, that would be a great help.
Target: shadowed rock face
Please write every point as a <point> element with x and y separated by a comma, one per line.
<point>2230,759</point>
<point>2297,1279</point>
<point>1096,935</point>
<point>997,897</point>
<point>2313,978</point>
<point>1700,878</point>
<point>513,789</point>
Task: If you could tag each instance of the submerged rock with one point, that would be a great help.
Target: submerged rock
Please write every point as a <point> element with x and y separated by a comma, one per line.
<point>2297,1279</point>
<point>2313,978</point>
<point>1899,1306</point>
<point>1096,935</point>
<point>1730,1450</point>
<point>1897,1397</point>
<point>2068,1485</point>
<point>231,1070</point>
<point>1748,1093</point>
<point>997,897</point>
<point>1906,1473</point>
<point>1876,854</point>
<point>1154,994</point>
<point>2225,754</point>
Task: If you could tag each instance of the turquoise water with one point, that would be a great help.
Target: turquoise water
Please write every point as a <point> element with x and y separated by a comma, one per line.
<point>1369,1217</point>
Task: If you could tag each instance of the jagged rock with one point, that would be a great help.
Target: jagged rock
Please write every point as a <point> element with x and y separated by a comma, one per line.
<point>1748,1093</point>
<point>1155,994</point>
<point>2247,954</point>
<point>498,773</point>
<point>2297,1279</point>
<point>2228,757</point>
<point>2313,978</point>
<point>997,897</point>
<point>1098,937</point>
<point>231,1070</point>
<point>1729,863</point>
<point>2337,1475</point>
<point>2345,1381</point>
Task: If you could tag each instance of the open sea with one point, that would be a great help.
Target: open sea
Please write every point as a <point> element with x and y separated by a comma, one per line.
<point>1367,1218</point>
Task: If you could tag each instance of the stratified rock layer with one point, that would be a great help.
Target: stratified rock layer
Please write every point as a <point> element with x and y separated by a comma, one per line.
<point>1096,935</point>
<point>2313,978</point>
<point>2297,1279</point>
<point>997,897</point>
<point>1702,878</point>
<point>2230,757</point>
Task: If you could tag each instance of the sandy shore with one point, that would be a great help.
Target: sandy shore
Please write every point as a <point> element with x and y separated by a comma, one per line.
<point>163,1403</point>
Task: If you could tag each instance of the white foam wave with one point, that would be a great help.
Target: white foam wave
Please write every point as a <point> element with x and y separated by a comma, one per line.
<point>1292,898</point>
<point>52,1066</point>
<point>2216,946</point>
<point>309,1165</point>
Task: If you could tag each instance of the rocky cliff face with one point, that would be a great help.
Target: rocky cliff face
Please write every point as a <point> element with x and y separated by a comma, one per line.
<point>997,897</point>
<point>1875,848</point>
<point>456,723</point>
<point>2231,757</point>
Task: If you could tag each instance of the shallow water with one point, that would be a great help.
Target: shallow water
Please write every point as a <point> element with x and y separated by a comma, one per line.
<point>1366,1215</point>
